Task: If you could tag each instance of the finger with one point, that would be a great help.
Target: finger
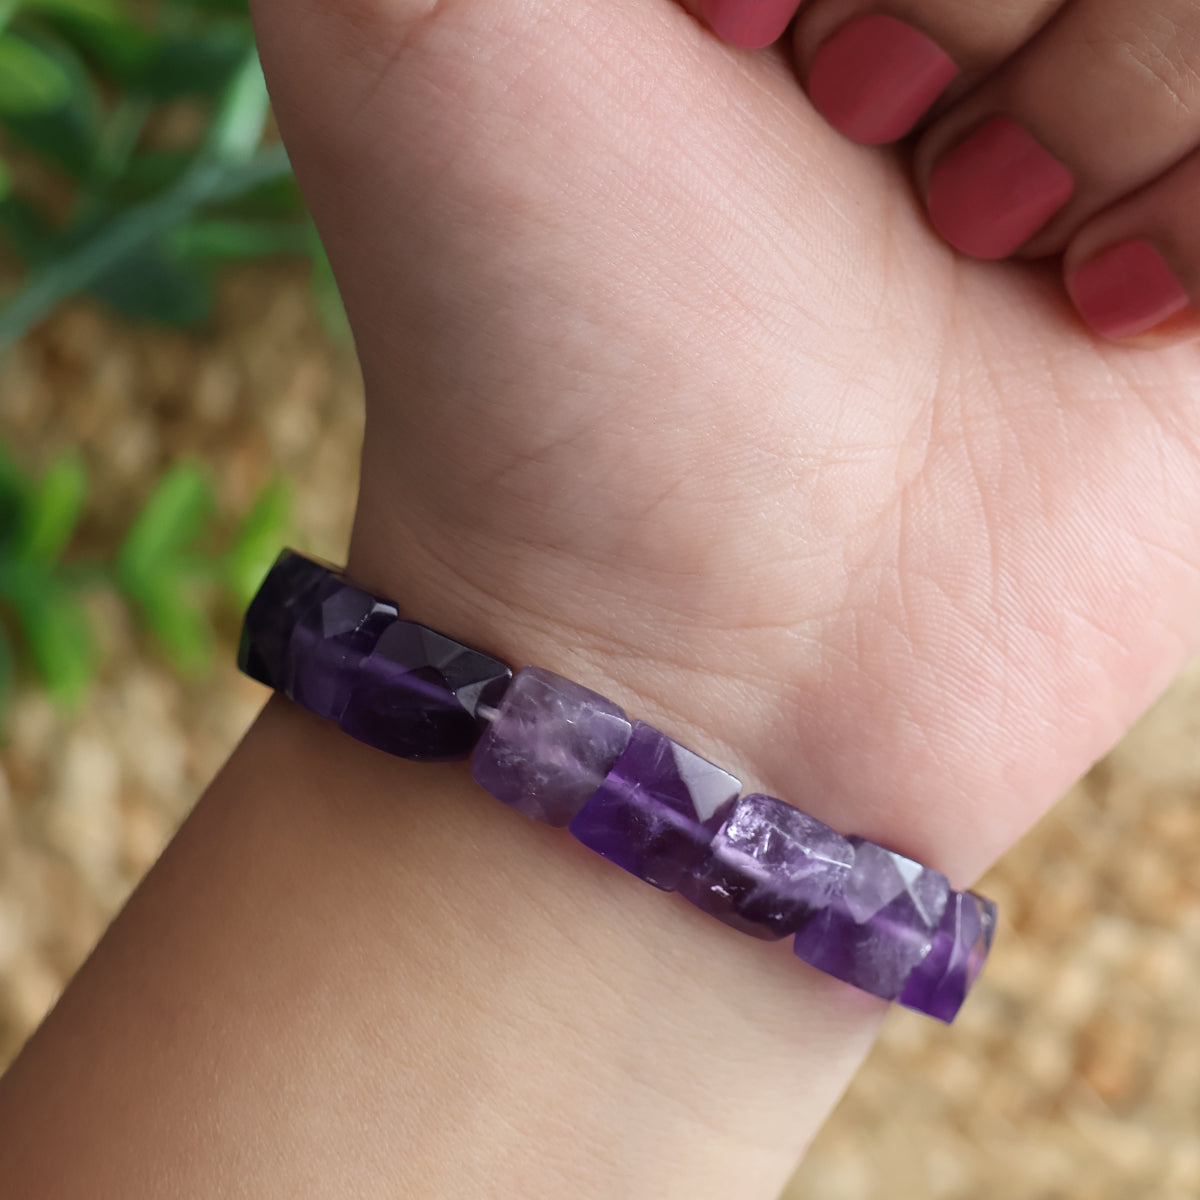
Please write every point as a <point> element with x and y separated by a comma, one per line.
<point>751,24</point>
<point>1134,271</point>
<point>875,75</point>
<point>1102,101</point>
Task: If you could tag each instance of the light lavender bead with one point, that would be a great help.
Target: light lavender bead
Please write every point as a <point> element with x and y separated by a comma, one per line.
<point>769,869</point>
<point>550,746</point>
<point>881,925</point>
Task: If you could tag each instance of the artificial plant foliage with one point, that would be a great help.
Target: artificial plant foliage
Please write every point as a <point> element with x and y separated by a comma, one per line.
<point>177,557</point>
<point>85,87</point>
<point>97,200</point>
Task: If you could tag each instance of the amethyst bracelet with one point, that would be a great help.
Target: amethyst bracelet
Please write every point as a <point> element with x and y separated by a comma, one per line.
<point>564,755</point>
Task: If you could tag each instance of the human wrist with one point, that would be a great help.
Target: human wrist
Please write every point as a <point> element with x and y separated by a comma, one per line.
<point>647,1050</point>
<point>470,1006</point>
<point>565,755</point>
<point>727,692</point>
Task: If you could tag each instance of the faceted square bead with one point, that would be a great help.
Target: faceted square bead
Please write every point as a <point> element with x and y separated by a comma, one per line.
<point>881,925</point>
<point>550,746</point>
<point>658,809</point>
<point>339,628</point>
<point>418,694</point>
<point>769,869</point>
<point>941,981</point>
<point>271,616</point>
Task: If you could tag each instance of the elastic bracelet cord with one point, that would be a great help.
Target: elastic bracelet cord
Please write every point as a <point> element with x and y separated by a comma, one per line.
<point>562,754</point>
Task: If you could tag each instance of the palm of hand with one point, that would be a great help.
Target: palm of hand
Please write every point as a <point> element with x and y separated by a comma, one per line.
<point>663,373</point>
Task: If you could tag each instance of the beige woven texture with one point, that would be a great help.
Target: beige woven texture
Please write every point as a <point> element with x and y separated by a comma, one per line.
<point>1074,1070</point>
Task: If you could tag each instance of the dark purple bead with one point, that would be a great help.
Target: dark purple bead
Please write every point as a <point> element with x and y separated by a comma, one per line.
<point>657,810</point>
<point>338,629</point>
<point>769,869</point>
<point>881,925</point>
<point>941,981</point>
<point>271,615</point>
<point>418,694</point>
<point>550,746</point>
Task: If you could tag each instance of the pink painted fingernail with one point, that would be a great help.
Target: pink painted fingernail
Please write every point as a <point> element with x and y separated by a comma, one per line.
<point>991,193</point>
<point>751,24</point>
<point>1126,290</point>
<point>876,77</point>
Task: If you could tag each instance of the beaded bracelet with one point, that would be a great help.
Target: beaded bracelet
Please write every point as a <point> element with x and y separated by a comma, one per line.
<point>564,755</point>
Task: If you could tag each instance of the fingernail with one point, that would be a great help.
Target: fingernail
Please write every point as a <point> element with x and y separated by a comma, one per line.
<point>991,193</point>
<point>1126,290</point>
<point>751,24</point>
<point>876,77</point>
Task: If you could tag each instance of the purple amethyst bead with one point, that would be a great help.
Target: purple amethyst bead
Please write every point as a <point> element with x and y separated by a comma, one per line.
<point>881,925</point>
<point>943,978</point>
<point>769,869</point>
<point>331,638</point>
<point>656,812</point>
<point>267,628</point>
<point>418,694</point>
<point>550,746</point>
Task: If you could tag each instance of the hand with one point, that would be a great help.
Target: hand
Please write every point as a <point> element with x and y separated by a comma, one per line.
<point>1046,125</point>
<point>670,388</point>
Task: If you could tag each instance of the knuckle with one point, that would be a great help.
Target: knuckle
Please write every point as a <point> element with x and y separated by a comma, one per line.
<point>1160,52</point>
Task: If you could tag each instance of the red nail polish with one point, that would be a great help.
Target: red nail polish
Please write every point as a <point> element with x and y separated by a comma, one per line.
<point>751,24</point>
<point>1126,290</point>
<point>991,193</point>
<point>875,78</point>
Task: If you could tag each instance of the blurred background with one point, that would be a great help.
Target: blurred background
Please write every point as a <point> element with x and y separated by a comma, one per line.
<point>178,397</point>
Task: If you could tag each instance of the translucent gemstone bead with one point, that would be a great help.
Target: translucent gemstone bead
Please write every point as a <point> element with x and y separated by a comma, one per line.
<point>769,869</point>
<point>941,981</point>
<point>331,638</point>
<point>881,925</point>
<point>271,616</point>
<point>550,746</point>
<point>657,810</point>
<point>418,694</point>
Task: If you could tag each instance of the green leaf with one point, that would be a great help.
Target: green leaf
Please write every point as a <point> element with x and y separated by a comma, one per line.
<point>328,299</point>
<point>238,8</point>
<point>31,81</point>
<point>256,543</point>
<point>5,180</point>
<point>122,130</point>
<point>220,240</point>
<point>200,63</point>
<point>150,285</point>
<point>107,11</point>
<point>120,49</point>
<point>79,266</point>
<point>24,231</point>
<point>15,491</point>
<point>8,676</point>
<point>66,136</point>
<point>52,511</point>
<point>275,199</point>
<point>241,116</point>
<point>151,565</point>
<point>59,637</point>
<point>173,520</point>
<point>179,623</point>
<point>149,172</point>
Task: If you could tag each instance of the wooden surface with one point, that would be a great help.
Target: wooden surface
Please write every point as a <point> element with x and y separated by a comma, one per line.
<point>1073,1072</point>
